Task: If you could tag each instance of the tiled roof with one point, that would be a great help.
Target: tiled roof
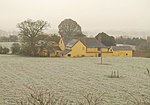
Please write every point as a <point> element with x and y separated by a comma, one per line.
<point>66,40</point>
<point>88,42</point>
<point>65,51</point>
<point>72,43</point>
<point>92,43</point>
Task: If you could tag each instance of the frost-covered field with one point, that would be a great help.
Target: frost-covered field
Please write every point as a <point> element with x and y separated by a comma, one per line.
<point>72,76</point>
<point>6,44</point>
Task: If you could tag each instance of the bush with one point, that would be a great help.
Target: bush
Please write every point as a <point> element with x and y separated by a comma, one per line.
<point>1,49</point>
<point>42,96</point>
<point>4,50</point>
<point>15,48</point>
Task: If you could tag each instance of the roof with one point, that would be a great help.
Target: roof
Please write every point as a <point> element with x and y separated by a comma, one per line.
<point>66,40</point>
<point>88,42</point>
<point>121,48</point>
<point>92,43</point>
<point>72,43</point>
<point>65,51</point>
<point>132,46</point>
<point>54,48</point>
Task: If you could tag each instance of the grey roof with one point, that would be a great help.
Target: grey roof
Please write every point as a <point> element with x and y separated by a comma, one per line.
<point>121,48</point>
<point>72,43</point>
<point>88,42</point>
<point>92,43</point>
<point>66,40</point>
<point>65,51</point>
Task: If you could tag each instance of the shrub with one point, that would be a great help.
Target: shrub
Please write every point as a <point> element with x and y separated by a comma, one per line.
<point>1,49</point>
<point>15,48</point>
<point>45,97</point>
<point>5,50</point>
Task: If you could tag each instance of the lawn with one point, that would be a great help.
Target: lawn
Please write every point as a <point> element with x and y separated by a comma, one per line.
<point>73,76</point>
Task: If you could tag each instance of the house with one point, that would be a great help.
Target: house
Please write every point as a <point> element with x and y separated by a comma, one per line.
<point>77,47</point>
<point>90,47</point>
<point>122,51</point>
<point>93,47</point>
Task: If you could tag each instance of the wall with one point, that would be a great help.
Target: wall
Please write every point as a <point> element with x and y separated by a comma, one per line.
<point>122,53</point>
<point>107,54</point>
<point>62,45</point>
<point>78,50</point>
<point>92,50</point>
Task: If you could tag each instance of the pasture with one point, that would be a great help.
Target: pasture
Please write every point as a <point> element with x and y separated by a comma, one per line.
<point>72,76</point>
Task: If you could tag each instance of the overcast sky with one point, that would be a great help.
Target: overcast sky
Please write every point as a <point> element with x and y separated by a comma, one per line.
<point>90,14</point>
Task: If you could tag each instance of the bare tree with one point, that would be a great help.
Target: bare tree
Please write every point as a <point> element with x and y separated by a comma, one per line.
<point>29,31</point>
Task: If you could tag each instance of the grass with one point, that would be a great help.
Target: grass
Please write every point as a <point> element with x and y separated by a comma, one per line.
<point>70,77</point>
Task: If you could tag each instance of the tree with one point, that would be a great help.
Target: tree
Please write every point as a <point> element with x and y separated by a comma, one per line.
<point>29,31</point>
<point>13,38</point>
<point>5,50</point>
<point>4,39</point>
<point>55,38</point>
<point>69,27</point>
<point>106,39</point>
<point>80,35</point>
<point>15,48</point>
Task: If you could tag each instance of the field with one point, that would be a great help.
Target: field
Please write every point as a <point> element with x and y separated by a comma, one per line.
<point>72,76</point>
<point>6,44</point>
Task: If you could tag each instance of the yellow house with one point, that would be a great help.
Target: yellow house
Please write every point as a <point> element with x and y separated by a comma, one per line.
<point>75,48</point>
<point>79,47</point>
<point>91,47</point>
<point>122,51</point>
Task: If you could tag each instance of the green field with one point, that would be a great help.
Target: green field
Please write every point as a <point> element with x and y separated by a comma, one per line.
<point>72,76</point>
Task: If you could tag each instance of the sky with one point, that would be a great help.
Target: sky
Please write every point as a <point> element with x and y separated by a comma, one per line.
<point>89,14</point>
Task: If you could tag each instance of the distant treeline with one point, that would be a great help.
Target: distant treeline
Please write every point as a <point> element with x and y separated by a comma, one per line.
<point>140,43</point>
<point>11,38</point>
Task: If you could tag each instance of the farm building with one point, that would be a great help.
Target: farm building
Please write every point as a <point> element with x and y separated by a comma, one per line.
<point>51,51</point>
<point>90,47</point>
<point>122,51</point>
<point>77,47</point>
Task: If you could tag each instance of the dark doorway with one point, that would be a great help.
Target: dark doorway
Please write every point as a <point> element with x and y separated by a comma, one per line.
<point>69,55</point>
